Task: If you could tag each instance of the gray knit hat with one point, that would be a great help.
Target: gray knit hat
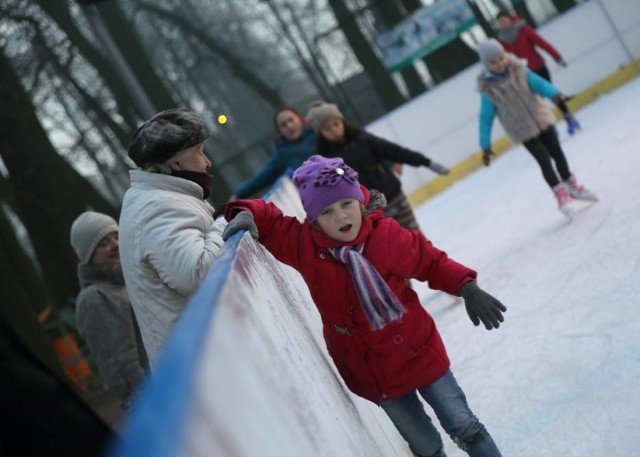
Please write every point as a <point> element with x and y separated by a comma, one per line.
<point>166,134</point>
<point>489,49</point>
<point>320,112</point>
<point>88,230</point>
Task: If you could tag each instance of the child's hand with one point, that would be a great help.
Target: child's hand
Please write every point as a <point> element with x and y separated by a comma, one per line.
<point>438,168</point>
<point>397,168</point>
<point>241,221</point>
<point>572,124</point>
<point>560,97</point>
<point>486,156</point>
<point>481,306</point>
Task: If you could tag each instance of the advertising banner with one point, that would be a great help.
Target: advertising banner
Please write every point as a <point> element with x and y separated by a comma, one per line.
<point>426,30</point>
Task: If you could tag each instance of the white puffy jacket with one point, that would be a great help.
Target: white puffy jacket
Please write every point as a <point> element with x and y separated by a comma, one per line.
<point>168,241</point>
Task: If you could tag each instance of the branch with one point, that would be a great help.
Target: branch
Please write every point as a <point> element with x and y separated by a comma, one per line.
<point>237,67</point>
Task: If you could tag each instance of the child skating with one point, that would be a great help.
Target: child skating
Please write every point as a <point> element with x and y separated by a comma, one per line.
<point>522,40</point>
<point>372,157</point>
<point>356,263</point>
<point>514,93</point>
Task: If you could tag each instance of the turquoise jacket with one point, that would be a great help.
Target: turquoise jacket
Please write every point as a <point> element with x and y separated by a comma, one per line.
<point>286,154</point>
<point>537,85</point>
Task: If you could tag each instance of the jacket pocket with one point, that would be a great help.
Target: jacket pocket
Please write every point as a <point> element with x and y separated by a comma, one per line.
<point>399,352</point>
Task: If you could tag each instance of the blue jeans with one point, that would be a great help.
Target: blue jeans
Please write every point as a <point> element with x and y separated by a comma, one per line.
<point>450,406</point>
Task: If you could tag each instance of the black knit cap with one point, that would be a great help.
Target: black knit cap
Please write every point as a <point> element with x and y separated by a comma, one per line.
<point>165,134</point>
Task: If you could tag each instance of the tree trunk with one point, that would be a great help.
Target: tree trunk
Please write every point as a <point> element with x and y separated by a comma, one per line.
<point>486,25</point>
<point>563,5</point>
<point>83,143</point>
<point>450,59</point>
<point>83,97</point>
<point>393,15</point>
<point>22,296</point>
<point>520,7</point>
<point>59,12</point>
<point>128,41</point>
<point>48,192</point>
<point>26,287</point>
<point>382,81</point>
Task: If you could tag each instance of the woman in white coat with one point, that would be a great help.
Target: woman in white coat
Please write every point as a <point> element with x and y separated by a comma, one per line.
<point>168,236</point>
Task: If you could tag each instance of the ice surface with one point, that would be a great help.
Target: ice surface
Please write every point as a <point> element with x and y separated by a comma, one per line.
<point>560,377</point>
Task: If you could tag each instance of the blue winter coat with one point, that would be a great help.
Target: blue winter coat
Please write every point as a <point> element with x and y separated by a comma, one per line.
<point>286,154</point>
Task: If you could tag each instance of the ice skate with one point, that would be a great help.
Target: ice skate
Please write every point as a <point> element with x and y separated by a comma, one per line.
<point>578,192</point>
<point>564,199</point>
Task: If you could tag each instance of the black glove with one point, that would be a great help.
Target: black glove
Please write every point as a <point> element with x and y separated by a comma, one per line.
<point>481,306</point>
<point>241,221</point>
<point>486,156</point>
<point>561,62</point>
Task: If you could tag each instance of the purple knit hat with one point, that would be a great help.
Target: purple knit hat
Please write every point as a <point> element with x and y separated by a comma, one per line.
<point>322,182</point>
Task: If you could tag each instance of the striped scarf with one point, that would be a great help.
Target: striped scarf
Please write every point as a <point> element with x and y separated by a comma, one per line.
<point>379,303</point>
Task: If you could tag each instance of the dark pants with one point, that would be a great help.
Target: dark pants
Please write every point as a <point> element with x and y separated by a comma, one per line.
<point>544,72</point>
<point>544,148</point>
<point>399,208</point>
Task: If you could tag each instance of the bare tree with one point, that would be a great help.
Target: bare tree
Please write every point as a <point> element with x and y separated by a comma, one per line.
<point>362,48</point>
<point>238,68</point>
<point>47,192</point>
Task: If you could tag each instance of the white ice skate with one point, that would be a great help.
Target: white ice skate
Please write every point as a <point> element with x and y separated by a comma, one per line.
<point>564,199</point>
<point>578,191</point>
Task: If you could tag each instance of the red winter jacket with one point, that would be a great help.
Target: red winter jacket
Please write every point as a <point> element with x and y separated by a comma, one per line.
<point>376,365</point>
<point>524,46</point>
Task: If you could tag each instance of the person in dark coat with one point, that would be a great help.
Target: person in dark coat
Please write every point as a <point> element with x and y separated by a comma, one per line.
<point>356,264</point>
<point>295,143</point>
<point>370,156</point>
<point>522,40</point>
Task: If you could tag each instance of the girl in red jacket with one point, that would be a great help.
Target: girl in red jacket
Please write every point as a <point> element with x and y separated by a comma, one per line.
<point>522,40</point>
<point>356,264</point>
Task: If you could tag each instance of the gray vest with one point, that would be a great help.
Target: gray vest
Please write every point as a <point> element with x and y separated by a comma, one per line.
<point>522,113</point>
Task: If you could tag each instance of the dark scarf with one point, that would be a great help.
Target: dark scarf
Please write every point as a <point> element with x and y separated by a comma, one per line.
<point>203,179</point>
<point>91,274</point>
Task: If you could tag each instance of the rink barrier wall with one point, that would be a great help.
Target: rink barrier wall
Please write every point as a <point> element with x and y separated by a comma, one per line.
<point>160,407</point>
<point>246,371</point>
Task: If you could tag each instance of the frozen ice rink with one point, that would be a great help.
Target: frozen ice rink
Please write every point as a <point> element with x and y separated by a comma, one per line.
<point>561,376</point>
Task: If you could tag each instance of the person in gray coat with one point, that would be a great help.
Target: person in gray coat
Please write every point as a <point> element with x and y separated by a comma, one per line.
<point>104,315</point>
